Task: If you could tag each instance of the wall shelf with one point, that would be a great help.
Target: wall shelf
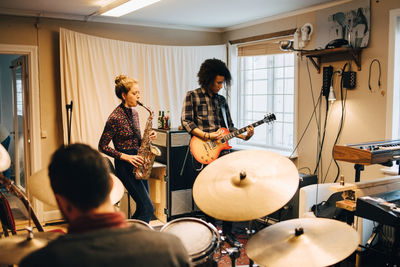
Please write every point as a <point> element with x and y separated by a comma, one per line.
<point>317,57</point>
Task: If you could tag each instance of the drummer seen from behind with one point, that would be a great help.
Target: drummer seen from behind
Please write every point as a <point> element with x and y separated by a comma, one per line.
<point>97,234</point>
<point>202,115</point>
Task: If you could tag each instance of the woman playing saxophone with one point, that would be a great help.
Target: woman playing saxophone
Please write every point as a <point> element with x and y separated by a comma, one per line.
<point>122,128</point>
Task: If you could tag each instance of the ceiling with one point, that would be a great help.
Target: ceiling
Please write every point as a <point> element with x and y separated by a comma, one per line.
<point>218,15</point>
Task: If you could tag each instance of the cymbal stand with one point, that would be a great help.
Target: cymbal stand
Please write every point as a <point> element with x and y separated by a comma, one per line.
<point>250,231</point>
<point>234,253</point>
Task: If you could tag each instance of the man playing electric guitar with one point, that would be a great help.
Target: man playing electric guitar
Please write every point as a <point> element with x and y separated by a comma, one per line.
<point>203,114</point>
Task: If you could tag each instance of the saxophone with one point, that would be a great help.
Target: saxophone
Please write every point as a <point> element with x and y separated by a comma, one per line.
<point>146,150</point>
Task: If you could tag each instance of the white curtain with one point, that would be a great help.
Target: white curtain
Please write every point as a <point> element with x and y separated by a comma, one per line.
<point>90,64</point>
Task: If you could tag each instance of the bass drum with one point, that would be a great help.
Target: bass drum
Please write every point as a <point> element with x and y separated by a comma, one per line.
<point>200,239</point>
<point>139,223</point>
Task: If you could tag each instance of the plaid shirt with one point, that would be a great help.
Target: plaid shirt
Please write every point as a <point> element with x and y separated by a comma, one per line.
<point>204,112</point>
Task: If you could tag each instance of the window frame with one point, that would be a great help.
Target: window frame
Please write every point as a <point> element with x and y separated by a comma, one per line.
<point>234,101</point>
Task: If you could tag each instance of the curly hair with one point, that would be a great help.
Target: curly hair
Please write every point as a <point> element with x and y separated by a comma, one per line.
<point>210,69</point>
<point>123,84</point>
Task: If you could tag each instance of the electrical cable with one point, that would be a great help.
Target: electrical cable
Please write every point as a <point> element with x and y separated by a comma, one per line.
<point>369,75</point>
<point>343,102</point>
<point>312,114</point>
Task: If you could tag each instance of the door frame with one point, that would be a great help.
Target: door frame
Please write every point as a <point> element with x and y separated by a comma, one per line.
<point>31,52</point>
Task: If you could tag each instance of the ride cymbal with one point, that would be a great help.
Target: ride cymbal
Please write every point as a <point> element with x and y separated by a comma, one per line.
<point>245,185</point>
<point>303,242</point>
<point>15,248</point>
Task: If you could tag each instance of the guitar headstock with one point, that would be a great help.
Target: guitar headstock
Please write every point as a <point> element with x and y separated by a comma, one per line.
<point>269,117</point>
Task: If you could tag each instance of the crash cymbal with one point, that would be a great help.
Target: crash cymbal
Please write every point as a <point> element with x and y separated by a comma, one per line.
<point>117,189</point>
<point>16,247</point>
<point>5,160</point>
<point>245,185</point>
<point>39,186</point>
<point>303,242</point>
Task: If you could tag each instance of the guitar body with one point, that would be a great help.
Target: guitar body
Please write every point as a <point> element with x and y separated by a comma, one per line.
<point>207,151</point>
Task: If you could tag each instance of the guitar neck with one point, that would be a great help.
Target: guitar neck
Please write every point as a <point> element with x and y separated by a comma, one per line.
<point>242,130</point>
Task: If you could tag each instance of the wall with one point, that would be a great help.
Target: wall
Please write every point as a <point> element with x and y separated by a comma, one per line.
<point>23,31</point>
<point>365,111</point>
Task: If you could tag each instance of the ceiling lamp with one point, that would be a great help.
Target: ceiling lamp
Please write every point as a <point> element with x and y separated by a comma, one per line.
<point>122,7</point>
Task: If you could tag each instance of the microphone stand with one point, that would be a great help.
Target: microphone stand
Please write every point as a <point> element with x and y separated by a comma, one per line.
<point>69,120</point>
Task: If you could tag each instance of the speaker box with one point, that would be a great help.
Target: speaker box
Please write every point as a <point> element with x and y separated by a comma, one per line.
<point>180,173</point>
<point>291,209</point>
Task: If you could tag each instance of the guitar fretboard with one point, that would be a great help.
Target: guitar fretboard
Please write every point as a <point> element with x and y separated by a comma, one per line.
<point>267,119</point>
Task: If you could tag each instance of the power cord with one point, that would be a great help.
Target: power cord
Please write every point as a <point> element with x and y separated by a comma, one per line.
<point>369,75</point>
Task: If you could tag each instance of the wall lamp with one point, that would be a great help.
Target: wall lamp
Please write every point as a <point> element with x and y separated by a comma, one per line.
<point>119,8</point>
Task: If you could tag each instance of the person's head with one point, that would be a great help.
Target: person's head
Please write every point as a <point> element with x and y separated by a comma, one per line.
<point>213,74</point>
<point>80,175</point>
<point>127,89</point>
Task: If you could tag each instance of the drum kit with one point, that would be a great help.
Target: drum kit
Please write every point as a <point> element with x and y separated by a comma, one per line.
<point>247,185</point>
<point>240,186</point>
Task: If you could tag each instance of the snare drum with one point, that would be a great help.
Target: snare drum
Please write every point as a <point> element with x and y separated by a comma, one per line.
<point>200,238</point>
<point>139,223</point>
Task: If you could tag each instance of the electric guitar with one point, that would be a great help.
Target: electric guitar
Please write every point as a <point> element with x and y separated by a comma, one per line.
<point>206,152</point>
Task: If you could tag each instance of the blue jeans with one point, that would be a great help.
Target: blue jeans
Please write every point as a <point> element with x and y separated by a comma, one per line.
<point>137,189</point>
<point>6,143</point>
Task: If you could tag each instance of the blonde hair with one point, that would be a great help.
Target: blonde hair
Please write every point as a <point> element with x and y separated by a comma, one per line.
<point>123,84</point>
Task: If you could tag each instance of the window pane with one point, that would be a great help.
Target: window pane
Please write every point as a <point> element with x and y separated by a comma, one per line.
<point>279,62</point>
<point>279,84</point>
<point>260,87</point>
<point>279,72</point>
<point>289,86</point>
<point>289,103</point>
<point>260,74</point>
<point>260,103</point>
<point>278,103</point>
<point>260,62</point>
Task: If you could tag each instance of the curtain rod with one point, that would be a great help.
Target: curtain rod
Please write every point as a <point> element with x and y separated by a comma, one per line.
<point>264,36</point>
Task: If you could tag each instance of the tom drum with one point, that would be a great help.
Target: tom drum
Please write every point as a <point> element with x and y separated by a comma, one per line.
<point>200,238</point>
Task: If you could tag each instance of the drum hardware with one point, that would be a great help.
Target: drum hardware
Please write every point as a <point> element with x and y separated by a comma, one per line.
<point>16,247</point>
<point>303,242</point>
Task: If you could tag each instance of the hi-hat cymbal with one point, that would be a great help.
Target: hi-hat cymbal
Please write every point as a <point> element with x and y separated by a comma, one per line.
<point>303,242</point>
<point>245,185</point>
<point>5,160</point>
<point>16,247</point>
<point>39,185</point>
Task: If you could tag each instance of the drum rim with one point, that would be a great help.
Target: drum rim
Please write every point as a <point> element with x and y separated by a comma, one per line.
<point>204,255</point>
<point>140,222</point>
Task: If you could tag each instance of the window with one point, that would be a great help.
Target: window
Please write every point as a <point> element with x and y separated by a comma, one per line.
<point>266,84</point>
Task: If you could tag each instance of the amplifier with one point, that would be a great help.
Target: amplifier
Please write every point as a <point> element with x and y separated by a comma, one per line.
<point>291,209</point>
<point>180,174</point>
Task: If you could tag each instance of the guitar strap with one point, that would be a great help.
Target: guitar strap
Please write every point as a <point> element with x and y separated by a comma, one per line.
<point>223,109</point>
